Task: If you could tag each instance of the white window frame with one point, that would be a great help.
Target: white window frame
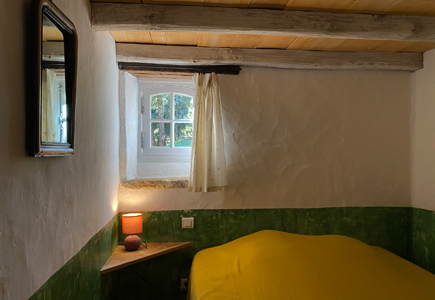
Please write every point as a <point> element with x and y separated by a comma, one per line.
<point>148,88</point>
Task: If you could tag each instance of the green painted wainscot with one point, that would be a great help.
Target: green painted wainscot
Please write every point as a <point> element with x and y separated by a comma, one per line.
<point>406,232</point>
<point>79,278</point>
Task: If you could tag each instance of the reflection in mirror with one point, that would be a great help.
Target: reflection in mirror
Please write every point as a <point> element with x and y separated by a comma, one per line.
<point>53,101</point>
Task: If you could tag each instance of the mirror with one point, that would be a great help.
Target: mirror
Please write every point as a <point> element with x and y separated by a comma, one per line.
<point>53,102</point>
<point>54,79</point>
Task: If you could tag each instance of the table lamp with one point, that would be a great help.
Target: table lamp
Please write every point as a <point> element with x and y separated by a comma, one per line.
<point>132,225</point>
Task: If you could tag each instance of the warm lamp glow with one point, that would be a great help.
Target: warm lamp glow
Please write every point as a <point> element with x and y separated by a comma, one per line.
<point>132,223</point>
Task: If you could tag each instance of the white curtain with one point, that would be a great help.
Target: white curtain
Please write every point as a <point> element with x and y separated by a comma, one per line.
<point>49,112</point>
<point>208,170</point>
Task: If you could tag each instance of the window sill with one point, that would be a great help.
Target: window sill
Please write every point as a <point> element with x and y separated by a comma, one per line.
<point>156,184</point>
<point>164,159</point>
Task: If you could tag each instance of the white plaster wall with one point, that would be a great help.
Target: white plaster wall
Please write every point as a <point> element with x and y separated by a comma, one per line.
<point>50,207</point>
<point>163,170</point>
<point>128,111</point>
<point>306,138</point>
<point>423,135</point>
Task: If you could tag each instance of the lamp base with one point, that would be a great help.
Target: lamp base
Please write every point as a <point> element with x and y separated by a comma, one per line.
<point>132,242</point>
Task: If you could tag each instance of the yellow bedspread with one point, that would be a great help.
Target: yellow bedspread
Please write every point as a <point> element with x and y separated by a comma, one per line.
<point>275,265</point>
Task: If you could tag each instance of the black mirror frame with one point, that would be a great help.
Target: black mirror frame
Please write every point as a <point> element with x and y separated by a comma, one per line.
<point>36,146</point>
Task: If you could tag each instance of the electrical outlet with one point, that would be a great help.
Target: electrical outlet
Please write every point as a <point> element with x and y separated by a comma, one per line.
<point>187,223</point>
<point>184,283</point>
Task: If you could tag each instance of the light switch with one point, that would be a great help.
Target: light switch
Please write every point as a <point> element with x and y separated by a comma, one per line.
<point>187,223</point>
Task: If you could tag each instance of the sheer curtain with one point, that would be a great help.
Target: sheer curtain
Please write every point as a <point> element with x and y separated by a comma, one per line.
<point>208,170</point>
<point>49,113</point>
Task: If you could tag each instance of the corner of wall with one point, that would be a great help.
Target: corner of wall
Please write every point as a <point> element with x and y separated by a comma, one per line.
<point>129,120</point>
<point>122,130</point>
<point>422,138</point>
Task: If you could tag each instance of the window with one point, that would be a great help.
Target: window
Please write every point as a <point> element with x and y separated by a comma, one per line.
<point>166,118</point>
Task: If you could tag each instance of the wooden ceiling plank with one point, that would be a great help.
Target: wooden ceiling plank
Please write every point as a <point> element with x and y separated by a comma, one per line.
<point>142,37</point>
<point>182,38</point>
<point>158,37</point>
<point>51,34</point>
<point>393,46</point>
<point>358,45</point>
<point>276,42</point>
<point>168,18</point>
<point>215,40</point>
<point>387,5</point>
<point>183,2</point>
<point>303,43</point>
<point>318,44</point>
<point>182,55</point>
<point>340,5</point>
<point>275,4</point>
<point>228,3</point>
<point>419,47</point>
<point>371,6</point>
<point>419,7</point>
<point>269,42</point>
<point>298,43</point>
<point>309,5</point>
<point>246,41</point>
<point>119,36</point>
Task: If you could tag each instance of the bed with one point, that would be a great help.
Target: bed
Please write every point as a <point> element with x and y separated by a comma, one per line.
<point>275,265</point>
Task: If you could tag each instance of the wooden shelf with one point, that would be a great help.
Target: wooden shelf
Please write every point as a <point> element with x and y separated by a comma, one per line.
<point>121,258</point>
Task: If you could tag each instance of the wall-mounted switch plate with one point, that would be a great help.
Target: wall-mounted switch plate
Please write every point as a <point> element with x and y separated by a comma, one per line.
<point>187,223</point>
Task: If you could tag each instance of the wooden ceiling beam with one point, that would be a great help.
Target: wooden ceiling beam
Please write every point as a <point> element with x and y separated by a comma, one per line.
<point>289,59</point>
<point>53,51</point>
<point>170,18</point>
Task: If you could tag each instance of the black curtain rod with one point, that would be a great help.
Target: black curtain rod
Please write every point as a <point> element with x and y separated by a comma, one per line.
<point>219,69</point>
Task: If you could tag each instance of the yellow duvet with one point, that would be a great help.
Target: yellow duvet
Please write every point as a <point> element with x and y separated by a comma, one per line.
<point>275,265</point>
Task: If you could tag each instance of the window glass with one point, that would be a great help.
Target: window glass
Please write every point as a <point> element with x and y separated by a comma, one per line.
<point>183,106</point>
<point>183,134</point>
<point>161,134</point>
<point>166,118</point>
<point>161,106</point>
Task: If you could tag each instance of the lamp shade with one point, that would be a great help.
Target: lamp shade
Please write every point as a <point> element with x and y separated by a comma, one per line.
<point>132,223</point>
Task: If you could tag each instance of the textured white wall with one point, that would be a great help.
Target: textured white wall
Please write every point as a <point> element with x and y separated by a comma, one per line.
<point>50,207</point>
<point>128,112</point>
<point>306,138</point>
<point>163,170</point>
<point>423,135</point>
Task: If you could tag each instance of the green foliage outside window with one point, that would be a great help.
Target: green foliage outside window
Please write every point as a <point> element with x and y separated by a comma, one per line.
<point>183,110</point>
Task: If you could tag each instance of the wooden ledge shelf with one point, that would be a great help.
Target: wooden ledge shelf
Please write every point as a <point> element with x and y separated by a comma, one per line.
<point>121,258</point>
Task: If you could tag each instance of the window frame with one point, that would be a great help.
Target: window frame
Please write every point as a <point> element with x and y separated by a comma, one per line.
<point>148,88</point>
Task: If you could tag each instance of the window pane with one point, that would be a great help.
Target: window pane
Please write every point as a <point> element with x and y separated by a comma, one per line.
<point>161,106</point>
<point>183,107</point>
<point>161,134</point>
<point>183,134</point>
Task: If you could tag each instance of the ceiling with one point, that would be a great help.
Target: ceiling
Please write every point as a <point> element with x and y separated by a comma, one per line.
<point>51,34</point>
<point>409,7</point>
